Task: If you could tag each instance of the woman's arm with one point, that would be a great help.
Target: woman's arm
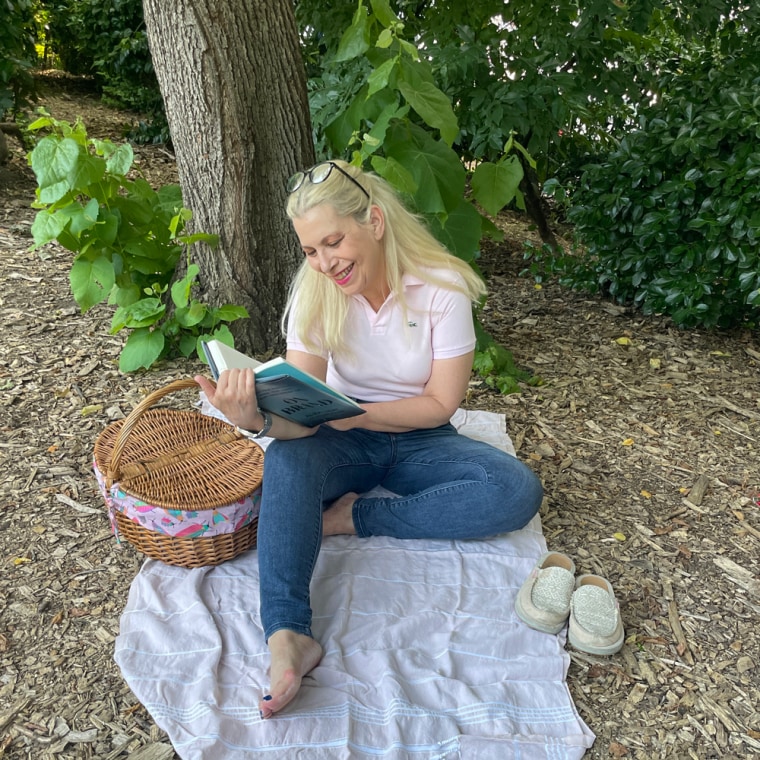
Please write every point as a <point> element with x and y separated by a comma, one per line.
<point>311,363</point>
<point>442,396</point>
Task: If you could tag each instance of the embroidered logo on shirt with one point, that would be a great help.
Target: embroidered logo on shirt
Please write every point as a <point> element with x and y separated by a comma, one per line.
<point>411,324</point>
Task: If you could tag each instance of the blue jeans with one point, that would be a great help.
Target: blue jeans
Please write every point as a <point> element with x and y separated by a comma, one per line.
<point>450,487</point>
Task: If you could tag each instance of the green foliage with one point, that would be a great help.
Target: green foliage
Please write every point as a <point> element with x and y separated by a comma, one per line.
<point>497,365</point>
<point>17,55</point>
<point>393,117</point>
<point>107,39</point>
<point>670,218</point>
<point>127,238</point>
<point>523,70</point>
<point>559,75</point>
<point>398,121</point>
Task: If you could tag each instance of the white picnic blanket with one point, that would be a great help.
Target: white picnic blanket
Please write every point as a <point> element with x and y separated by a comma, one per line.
<point>424,656</point>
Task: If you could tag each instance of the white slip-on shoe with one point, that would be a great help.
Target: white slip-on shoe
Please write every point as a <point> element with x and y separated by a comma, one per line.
<point>543,601</point>
<point>595,624</point>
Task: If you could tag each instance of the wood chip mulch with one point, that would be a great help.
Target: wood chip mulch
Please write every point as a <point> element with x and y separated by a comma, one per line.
<point>647,439</point>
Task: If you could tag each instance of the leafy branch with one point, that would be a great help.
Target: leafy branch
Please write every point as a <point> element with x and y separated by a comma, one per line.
<point>128,239</point>
<point>404,126</point>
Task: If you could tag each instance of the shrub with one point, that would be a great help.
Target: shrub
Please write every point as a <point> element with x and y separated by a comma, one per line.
<point>107,40</point>
<point>671,218</point>
<point>128,239</point>
<point>17,56</point>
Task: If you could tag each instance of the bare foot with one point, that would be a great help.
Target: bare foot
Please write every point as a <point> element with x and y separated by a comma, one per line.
<point>293,656</point>
<point>338,518</point>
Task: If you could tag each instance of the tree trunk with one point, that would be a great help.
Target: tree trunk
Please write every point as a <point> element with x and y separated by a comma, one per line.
<point>534,204</point>
<point>9,129</point>
<point>234,89</point>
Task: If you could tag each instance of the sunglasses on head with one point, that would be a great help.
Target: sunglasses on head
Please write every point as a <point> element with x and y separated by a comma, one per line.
<point>318,174</point>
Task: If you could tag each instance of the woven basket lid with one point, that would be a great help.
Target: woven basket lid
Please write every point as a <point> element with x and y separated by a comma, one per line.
<point>179,459</point>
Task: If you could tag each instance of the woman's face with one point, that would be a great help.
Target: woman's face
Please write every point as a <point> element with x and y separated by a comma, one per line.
<point>349,253</point>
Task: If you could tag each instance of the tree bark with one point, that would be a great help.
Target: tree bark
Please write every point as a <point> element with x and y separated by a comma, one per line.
<point>534,204</point>
<point>9,129</point>
<point>234,89</point>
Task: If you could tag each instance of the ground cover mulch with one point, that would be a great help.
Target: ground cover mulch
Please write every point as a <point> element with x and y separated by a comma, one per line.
<point>645,436</point>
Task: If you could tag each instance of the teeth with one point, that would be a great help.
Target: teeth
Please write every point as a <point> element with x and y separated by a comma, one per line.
<point>342,274</point>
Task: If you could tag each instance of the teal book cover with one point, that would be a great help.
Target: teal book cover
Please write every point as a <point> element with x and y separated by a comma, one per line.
<point>283,389</point>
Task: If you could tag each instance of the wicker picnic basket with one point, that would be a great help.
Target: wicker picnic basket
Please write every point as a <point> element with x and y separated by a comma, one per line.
<point>180,486</point>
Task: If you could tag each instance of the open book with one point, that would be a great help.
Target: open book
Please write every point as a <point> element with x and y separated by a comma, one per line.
<point>283,389</point>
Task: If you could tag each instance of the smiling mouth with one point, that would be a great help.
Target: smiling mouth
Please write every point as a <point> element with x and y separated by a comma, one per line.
<point>343,276</point>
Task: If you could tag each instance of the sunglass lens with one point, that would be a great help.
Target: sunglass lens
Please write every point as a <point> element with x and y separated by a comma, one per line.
<point>295,181</point>
<point>320,172</point>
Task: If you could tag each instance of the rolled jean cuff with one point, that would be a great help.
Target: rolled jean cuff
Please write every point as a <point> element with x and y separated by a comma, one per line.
<point>304,630</point>
<point>361,531</point>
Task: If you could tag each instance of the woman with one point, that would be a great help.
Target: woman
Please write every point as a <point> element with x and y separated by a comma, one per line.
<point>381,312</point>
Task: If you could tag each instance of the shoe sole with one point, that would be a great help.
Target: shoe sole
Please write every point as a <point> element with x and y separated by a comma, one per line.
<point>536,626</point>
<point>606,650</point>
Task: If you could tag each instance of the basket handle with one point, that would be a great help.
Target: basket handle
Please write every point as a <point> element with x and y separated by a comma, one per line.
<point>112,471</point>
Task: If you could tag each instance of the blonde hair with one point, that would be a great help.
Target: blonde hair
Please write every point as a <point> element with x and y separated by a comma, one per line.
<point>409,248</point>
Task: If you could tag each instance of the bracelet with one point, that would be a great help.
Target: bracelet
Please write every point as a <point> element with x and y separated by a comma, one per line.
<point>267,424</point>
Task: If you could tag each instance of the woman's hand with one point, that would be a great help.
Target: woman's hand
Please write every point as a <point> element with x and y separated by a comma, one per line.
<point>235,397</point>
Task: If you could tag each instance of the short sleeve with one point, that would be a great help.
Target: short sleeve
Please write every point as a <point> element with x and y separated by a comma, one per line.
<point>453,329</point>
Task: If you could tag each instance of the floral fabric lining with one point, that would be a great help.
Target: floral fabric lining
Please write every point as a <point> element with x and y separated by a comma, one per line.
<point>180,523</point>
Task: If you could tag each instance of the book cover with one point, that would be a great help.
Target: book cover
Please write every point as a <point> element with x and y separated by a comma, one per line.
<point>283,389</point>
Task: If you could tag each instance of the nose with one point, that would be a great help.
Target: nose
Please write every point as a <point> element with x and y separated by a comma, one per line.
<point>325,261</point>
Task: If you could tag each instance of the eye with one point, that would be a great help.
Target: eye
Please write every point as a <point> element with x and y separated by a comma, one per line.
<point>309,252</point>
<point>335,243</point>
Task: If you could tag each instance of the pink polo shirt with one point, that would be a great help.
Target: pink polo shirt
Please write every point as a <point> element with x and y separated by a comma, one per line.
<point>391,353</point>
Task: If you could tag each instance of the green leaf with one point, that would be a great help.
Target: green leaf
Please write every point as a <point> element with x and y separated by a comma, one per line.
<point>429,102</point>
<point>199,237</point>
<point>395,173</point>
<point>142,349</point>
<point>137,212</point>
<point>54,162</point>
<point>495,185</point>
<point>222,334</point>
<point>142,313</point>
<point>150,257</point>
<point>355,40</point>
<point>192,315</point>
<point>176,224</point>
<point>434,167</point>
<point>169,199</point>
<point>181,288</point>
<point>47,226</point>
<point>82,217</point>
<point>229,313</point>
<point>91,281</point>
<point>410,50</point>
<point>461,232</point>
<point>72,243</point>
<point>89,171</point>
<point>141,189</point>
<point>384,13</point>
<point>187,343</point>
<point>107,227</point>
<point>120,161</point>
<point>43,121</point>
<point>384,39</point>
<point>124,294</point>
<point>379,78</point>
<point>375,138</point>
